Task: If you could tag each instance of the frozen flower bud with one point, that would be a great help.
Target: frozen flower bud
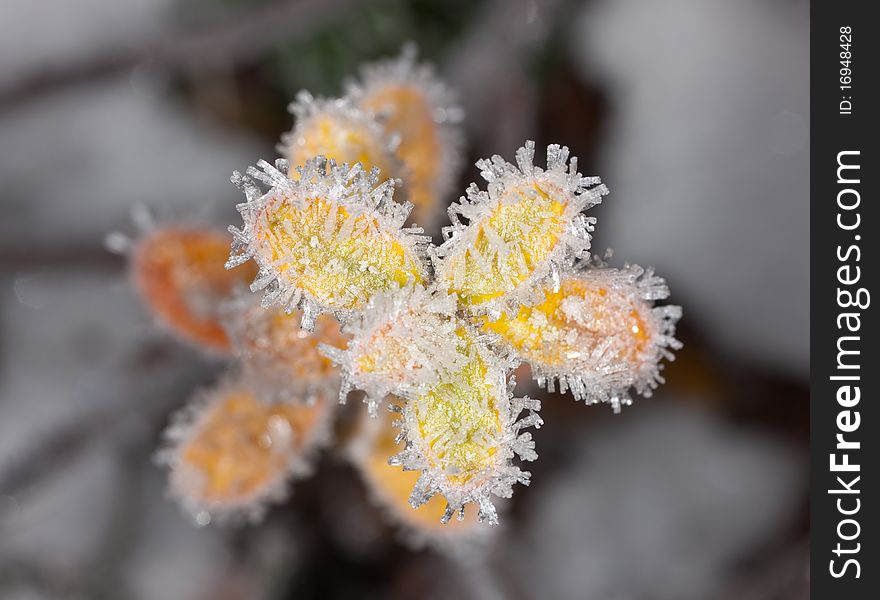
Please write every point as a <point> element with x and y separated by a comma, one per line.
<point>180,275</point>
<point>390,487</point>
<point>520,232</point>
<point>462,434</point>
<point>230,454</point>
<point>279,360</point>
<point>598,334</point>
<point>399,344</point>
<point>337,130</point>
<point>326,241</point>
<point>415,105</point>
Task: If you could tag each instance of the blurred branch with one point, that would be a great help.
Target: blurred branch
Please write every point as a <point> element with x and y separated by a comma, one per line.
<point>115,421</point>
<point>236,39</point>
<point>54,449</point>
<point>25,575</point>
<point>19,258</point>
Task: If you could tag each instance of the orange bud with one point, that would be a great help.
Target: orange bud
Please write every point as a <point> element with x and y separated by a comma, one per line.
<point>230,453</point>
<point>180,276</point>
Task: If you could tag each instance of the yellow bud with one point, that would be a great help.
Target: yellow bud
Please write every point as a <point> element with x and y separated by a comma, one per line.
<point>400,345</point>
<point>462,433</point>
<point>525,228</point>
<point>518,235</point>
<point>417,107</point>
<point>390,486</point>
<point>336,130</point>
<point>280,360</point>
<point>329,240</point>
<point>546,335</point>
<point>459,425</point>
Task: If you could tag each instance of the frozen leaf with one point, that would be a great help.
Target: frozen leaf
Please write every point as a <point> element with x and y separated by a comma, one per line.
<point>399,344</point>
<point>279,360</point>
<point>338,130</point>
<point>597,334</point>
<point>390,487</point>
<point>520,232</point>
<point>463,432</point>
<point>326,241</point>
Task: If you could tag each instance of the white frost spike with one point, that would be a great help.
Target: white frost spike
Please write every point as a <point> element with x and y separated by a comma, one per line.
<point>400,344</point>
<point>326,241</point>
<point>597,333</point>
<point>523,229</point>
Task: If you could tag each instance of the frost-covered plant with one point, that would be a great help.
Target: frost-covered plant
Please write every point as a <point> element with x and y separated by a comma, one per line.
<point>430,333</point>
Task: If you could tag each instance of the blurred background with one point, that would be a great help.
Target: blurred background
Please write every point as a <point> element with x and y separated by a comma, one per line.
<point>694,112</point>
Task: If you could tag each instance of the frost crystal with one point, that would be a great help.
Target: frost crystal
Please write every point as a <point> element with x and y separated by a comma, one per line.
<point>520,232</point>
<point>597,333</point>
<point>399,345</point>
<point>416,106</point>
<point>230,454</point>
<point>326,241</point>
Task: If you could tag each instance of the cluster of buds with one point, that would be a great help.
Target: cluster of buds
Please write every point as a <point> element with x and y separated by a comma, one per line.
<point>347,293</point>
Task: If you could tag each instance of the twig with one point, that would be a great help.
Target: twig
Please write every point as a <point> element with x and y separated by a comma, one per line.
<point>51,451</point>
<point>235,40</point>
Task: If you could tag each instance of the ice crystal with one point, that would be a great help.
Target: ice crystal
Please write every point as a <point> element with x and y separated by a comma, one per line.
<point>179,274</point>
<point>230,454</point>
<point>416,106</point>
<point>520,232</point>
<point>596,333</point>
<point>326,241</point>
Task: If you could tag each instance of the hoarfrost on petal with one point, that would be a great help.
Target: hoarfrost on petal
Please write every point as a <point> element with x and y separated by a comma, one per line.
<point>361,249</point>
<point>598,335</point>
<point>525,227</point>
